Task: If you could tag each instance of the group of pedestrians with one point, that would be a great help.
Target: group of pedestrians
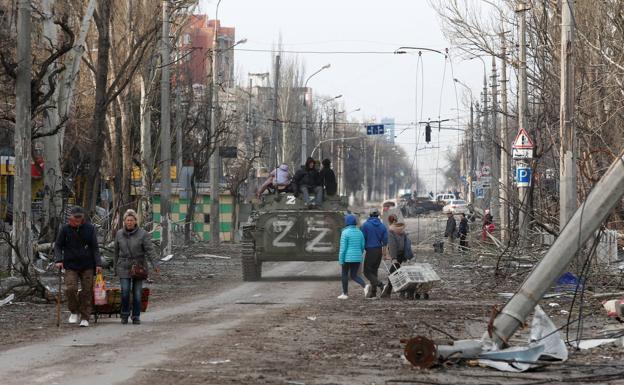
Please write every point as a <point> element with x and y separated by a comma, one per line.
<point>310,181</point>
<point>370,244</point>
<point>76,251</point>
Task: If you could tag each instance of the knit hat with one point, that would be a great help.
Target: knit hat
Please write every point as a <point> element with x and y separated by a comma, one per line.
<point>350,220</point>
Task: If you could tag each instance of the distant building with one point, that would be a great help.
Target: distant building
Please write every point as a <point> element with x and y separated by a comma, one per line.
<point>196,50</point>
<point>389,129</point>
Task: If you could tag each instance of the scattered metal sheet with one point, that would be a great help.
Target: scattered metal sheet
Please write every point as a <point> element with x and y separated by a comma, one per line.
<point>7,299</point>
<point>593,343</point>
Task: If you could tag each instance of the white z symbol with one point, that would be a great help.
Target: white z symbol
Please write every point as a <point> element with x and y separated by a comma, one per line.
<point>311,245</point>
<point>277,226</point>
<point>290,199</point>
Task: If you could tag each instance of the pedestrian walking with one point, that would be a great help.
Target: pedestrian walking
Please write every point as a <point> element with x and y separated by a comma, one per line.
<point>463,233</point>
<point>76,250</point>
<point>376,239</point>
<point>133,250</point>
<point>487,226</point>
<point>399,251</point>
<point>350,255</point>
<point>450,232</point>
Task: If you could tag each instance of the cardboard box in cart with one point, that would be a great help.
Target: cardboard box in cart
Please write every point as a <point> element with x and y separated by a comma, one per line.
<point>419,277</point>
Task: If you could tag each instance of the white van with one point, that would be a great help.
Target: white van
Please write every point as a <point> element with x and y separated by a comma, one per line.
<point>445,197</point>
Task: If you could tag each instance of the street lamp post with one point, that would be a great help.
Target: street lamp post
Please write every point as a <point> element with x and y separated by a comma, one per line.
<point>472,158</point>
<point>304,129</point>
<point>215,159</point>
<point>341,165</point>
<point>321,134</point>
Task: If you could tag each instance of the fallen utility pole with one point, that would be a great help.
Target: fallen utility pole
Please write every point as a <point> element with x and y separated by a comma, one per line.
<point>603,198</point>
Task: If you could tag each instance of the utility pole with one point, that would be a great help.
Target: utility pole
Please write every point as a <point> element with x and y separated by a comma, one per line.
<point>178,129</point>
<point>523,222</point>
<point>273,141</point>
<point>504,153</point>
<point>53,177</point>
<point>364,151</point>
<point>333,136</point>
<point>343,155</point>
<point>165,136</point>
<point>215,159</point>
<point>485,126</point>
<point>567,150</point>
<point>472,153</point>
<point>494,143</point>
<point>20,233</point>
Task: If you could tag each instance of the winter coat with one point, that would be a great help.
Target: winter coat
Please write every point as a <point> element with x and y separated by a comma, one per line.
<point>132,247</point>
<point>451,226</point>
<point>351,245</point>
<point>375,233</point>
<point>399,244</point>
<point>281,175</point>
<point>463,226</point>
<point>307,175</point>
<point>77,247</point>
<point>328,178</point>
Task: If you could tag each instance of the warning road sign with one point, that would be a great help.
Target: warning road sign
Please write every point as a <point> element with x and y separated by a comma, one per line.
<point>522,140</point>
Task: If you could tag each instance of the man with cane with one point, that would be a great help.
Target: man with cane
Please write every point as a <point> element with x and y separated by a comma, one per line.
<point>76,250</point>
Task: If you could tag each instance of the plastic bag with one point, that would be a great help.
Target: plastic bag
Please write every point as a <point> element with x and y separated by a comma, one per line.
<point>99,290</point>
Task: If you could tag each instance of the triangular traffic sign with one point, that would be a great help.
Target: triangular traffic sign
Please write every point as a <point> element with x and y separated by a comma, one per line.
<point>522,140</point>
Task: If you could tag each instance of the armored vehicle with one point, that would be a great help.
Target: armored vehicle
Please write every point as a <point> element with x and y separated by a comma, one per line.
<point>282,228</point>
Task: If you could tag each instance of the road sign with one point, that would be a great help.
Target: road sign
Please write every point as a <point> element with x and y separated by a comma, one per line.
<point>522,153</point>
<point>486,181</point>
<point>375,129</point>
<point>479,193</point>
<point>523,176</point>
<point>485,170</point>
<point>522,140</point>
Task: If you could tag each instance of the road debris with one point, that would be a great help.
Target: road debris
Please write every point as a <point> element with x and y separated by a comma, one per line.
<point>167,258</point>
<point>212,256</point>
<point>312,318</point>
<point>7,299</point>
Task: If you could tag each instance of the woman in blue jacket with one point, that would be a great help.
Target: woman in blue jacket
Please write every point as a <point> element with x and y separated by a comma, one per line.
<point>350,255</point>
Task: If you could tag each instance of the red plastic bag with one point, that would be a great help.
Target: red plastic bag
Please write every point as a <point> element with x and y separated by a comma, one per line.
<point>99,290</point>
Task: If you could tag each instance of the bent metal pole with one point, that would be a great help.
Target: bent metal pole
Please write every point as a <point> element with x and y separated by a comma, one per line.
<point>583,224</point>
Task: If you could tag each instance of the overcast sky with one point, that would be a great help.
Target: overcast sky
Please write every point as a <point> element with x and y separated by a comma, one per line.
<point>382,85</point>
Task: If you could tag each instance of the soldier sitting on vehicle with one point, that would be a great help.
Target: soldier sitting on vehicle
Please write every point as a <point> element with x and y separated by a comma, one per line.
<point>279,179</point>
<point>308,180</point>
<point>328,178</point>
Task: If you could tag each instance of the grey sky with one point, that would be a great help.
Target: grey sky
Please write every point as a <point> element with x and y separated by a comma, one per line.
<point>382,85</point>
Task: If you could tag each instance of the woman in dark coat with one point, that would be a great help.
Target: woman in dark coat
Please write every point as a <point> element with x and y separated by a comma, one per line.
<point>133,245</point>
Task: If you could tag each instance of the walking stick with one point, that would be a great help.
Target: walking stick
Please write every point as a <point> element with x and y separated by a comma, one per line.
<point>58,298</point>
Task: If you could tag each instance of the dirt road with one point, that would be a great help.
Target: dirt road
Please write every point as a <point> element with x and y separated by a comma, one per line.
<point>289,328</point>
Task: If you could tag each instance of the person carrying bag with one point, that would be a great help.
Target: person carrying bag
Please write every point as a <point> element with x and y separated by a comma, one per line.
<point>133,250</point>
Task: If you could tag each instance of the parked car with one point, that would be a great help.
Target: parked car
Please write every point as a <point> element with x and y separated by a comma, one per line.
<point>445,198</point>
<point>456,206</point>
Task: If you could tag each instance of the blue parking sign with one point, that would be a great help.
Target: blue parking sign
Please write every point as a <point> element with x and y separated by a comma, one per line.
<point>523,176</point>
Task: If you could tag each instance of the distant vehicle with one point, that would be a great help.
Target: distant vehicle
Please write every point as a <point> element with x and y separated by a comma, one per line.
<point>456,206</point>
<point>419,205</point>
<point>445,197</point>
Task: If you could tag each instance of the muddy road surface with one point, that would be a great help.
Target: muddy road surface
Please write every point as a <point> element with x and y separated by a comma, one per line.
<point>289,328</point>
